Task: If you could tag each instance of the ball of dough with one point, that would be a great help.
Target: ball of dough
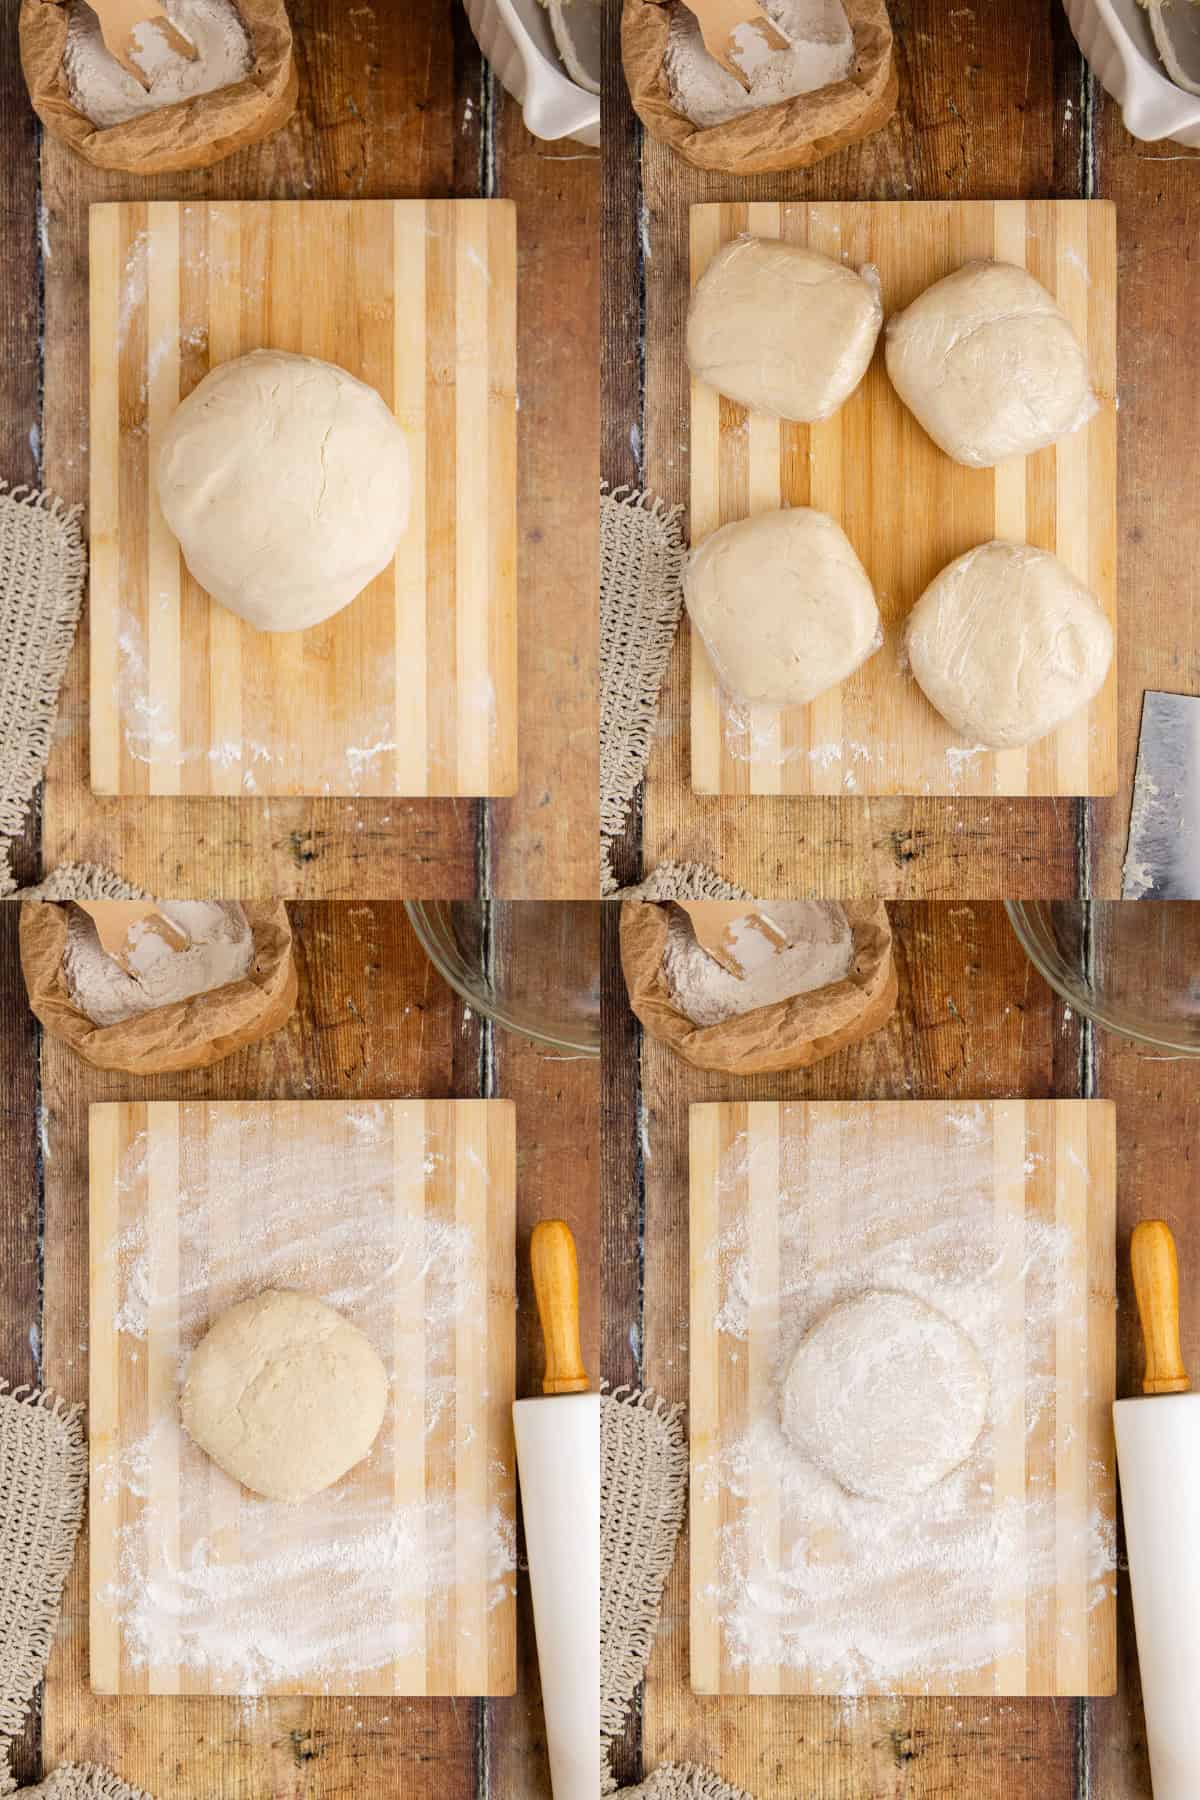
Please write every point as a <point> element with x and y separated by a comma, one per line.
<point>286,482</point>
<point>782,329</point>
<point>784,606</point>
<point>988,362</point>
<point>284,1394</point>
<point>1006,644</point>
<point>885,1394</point>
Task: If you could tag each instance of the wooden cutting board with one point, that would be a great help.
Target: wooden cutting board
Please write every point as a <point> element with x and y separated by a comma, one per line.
<point>402,1215</point>
<point>412,688</point>
<point>1002,1215</point>
<point>907,508</point>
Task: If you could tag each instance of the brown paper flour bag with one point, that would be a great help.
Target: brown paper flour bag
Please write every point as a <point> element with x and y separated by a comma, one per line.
<point>791,135</point>
<point>789,1034</point>
<point>188,1034</point>
<point>192,134</point>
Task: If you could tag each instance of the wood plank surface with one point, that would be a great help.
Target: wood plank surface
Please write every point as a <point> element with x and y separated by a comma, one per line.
<point>974,1022</point>
<point>797,1207</point>
<point>385,112</point>
<point>374,1022</point>
<point>193,1209</point>
<point>907,508</point>
<point>410,689</point>
<point>993,104</point>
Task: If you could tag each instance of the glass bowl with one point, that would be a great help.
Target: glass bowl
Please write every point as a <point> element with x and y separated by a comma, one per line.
<point>531,966</point>
<point>1131,966</point>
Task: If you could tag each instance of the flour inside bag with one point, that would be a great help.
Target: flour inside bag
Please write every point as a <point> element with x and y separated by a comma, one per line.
<point>159,1008</point>
<point>239,87</point>
<point>834,84</point>
<point>829,983</point>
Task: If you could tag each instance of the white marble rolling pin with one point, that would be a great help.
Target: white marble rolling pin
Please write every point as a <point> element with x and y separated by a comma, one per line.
<point>558,1460</point>
<point>1158,1457</point>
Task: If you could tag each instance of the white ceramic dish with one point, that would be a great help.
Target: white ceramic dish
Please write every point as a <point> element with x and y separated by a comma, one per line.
<point>516,38</point>
<point>1115,37</point>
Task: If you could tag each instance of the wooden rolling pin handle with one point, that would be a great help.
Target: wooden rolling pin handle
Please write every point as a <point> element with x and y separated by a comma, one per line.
<point>1156,1284</point>
<point>556,1287</point>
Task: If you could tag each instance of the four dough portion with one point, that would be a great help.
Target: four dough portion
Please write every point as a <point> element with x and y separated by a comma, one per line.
<point>784,606</point>
<point>782,329</point>
<point>284,1394</point>
<point>987,361</point>
<point>1005,643</point>
<point>286,481</point>
<point>885,1394</point>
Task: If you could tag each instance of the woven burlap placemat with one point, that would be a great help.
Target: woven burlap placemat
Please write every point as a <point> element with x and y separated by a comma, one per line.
<point>643,1487</point>
<point>43,1476</point>
<point>42,567</point>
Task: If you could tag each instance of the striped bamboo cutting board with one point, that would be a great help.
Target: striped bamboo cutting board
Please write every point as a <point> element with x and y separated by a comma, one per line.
<point>411,689</point>
<point>999,1579</point>
<point>399,1578</point>
<point>908,509</point>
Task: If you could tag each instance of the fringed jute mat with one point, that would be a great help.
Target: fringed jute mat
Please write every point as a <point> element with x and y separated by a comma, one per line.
<point>643,1485</point>
<point>42,568</point>
<point>43,1476</point>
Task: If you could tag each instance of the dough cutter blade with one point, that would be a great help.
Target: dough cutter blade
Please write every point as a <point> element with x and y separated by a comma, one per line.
<point>1162,857</point>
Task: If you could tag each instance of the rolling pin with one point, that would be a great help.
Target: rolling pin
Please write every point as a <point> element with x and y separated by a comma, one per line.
<point>558,1461</point>
<point>1158,1456</point>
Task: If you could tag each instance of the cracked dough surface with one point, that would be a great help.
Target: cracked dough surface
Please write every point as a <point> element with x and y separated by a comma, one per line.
<point>784,606</point>
<point>1006,644</point>
<point>284,1394</point>
<point>286,482</point>
<point>989,364</point>
<point>886,1394</point>
<point>782,329</point>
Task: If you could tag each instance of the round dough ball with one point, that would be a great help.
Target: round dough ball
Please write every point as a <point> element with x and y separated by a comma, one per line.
<point>886,1394</point>
<point>784,606</point>
<point>781,329</point>
<point>284,1394</point>
<point>989,364</point>
<point>1006,644</point>
<point>286,482</point>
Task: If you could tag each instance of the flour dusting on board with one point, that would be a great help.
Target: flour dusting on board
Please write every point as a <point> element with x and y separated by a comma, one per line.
<point>248,1593</point>
<point>855,1595</point>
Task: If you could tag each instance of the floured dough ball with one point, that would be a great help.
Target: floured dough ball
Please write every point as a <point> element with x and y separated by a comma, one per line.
<point>286,482</point>
<point>783,604</point>
<point>781,329</point>
<point>1006,644</point>
<point>284,1394</point>
<point>987,361</point>
<point>885,1394</point>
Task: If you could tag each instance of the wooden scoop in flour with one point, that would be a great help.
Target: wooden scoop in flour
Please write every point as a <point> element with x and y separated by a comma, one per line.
<point>720,20</point>
<point>558,1459</point>
<point>119,22</point>
<point>115,919</point>
<point>713,924</point>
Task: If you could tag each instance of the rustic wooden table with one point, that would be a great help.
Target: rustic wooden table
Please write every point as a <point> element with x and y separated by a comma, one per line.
<point>374,1021</point>
<point>995,102</point>
<point>394,102</point>
<point>974,1021</point>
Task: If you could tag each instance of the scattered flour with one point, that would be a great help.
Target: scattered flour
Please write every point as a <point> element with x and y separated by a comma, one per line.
<point>221,951</point>
<point>107,94</point>
<point>923,1591</point>
<point>821,53</point>
<point>819,951</point>
<point>252,1594</point>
